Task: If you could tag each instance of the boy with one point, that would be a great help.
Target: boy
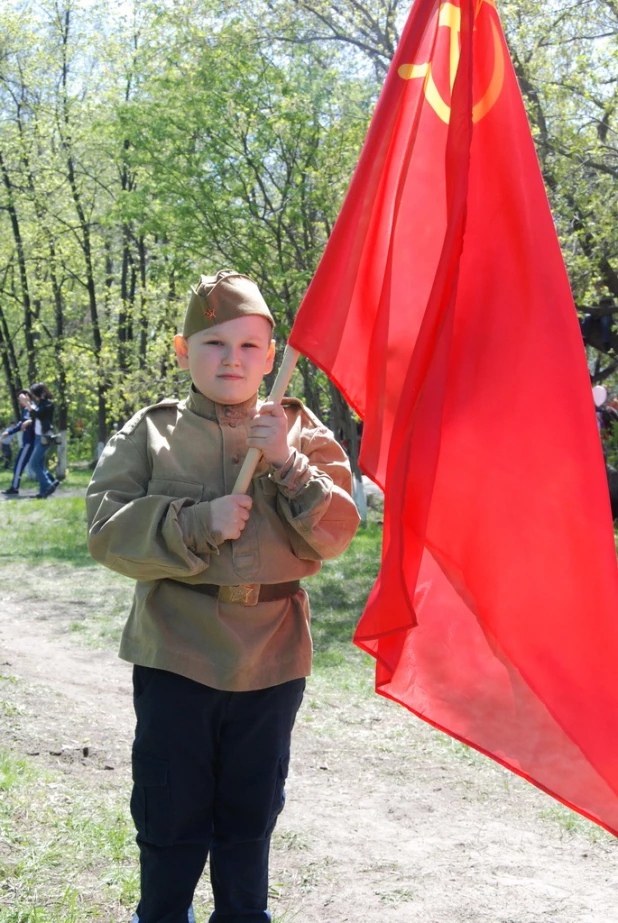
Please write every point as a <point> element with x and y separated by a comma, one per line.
<point>219,628</point>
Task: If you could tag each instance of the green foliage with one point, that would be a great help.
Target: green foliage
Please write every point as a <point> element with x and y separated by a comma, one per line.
<point>565,59</point>
<point>140,146</point>
<point>186,144</point>
<point>611,446</point>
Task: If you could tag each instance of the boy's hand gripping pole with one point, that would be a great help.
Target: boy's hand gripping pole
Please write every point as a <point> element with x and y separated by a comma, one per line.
<point>288,364</point>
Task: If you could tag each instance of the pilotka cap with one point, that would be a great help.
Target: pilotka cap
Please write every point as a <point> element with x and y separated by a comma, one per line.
<point>223,297</point>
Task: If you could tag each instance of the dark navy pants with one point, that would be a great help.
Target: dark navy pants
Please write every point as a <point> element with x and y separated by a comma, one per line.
<point>209,769</point>
<point>21,462</point>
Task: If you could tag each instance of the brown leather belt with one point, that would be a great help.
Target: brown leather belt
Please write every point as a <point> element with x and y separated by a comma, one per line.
<point>249,594</point>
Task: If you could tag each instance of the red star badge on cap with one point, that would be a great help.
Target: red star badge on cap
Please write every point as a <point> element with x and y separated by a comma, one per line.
<point>210,313</point>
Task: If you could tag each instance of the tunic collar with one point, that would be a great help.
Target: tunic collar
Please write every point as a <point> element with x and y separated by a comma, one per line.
<point>204,407</point>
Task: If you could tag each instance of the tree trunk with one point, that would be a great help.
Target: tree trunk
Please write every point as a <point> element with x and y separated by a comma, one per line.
<point>346,431</point>
<point>612,480</point>
<point>124,327</point>
<point>310,391</point>
<point>85,241</point>
<point>23,274</point>
<point>9,364</point>
<point>143,304</point>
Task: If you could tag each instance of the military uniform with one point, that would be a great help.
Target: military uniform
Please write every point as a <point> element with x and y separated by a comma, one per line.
<point>219,634</point>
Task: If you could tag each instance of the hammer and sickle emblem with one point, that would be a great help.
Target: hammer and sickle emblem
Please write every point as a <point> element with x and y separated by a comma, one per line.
<point>449,15</point>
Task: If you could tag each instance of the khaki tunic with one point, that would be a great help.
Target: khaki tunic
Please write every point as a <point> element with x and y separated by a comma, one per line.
<point>149,518</point>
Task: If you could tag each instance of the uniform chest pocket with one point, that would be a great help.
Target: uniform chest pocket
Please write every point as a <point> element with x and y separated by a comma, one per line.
<point>163,487</point>
<point>269,488</point>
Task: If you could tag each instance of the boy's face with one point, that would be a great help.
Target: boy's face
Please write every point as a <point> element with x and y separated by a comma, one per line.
<point>228,361</point>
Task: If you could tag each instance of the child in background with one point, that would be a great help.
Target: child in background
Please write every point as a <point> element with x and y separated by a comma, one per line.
<point>24,426</point>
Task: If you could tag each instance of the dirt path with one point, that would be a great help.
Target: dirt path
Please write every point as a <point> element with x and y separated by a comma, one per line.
<point>386,821</point>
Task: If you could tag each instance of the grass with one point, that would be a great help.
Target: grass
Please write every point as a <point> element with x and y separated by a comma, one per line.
<point>32,531</point>
<point>61,844</point>
<point>569,823</point>
<point>338,595</point>
<point>35,532</point>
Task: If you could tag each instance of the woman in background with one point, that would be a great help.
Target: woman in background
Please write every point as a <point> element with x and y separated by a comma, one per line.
<point>42,417</point>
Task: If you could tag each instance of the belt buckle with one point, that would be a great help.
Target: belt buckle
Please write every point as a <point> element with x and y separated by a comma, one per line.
<point>245,594</point>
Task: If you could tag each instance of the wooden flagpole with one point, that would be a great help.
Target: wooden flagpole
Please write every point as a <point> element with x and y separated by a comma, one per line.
<point>288,364</point>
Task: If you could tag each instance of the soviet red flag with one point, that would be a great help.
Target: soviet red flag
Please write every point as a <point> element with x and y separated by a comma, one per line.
<point>442,310</point>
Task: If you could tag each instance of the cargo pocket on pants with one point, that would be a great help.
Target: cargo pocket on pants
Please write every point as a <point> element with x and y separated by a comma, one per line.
<point>151,803</point>
<point>278,802</point>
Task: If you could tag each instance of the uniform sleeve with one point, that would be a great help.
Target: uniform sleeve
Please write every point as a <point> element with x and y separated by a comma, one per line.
<point>314,499</point>
<point>141,535</point>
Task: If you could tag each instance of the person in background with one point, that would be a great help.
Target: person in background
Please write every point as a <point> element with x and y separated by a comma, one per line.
<point>42,418</point>
<point>24,398</point>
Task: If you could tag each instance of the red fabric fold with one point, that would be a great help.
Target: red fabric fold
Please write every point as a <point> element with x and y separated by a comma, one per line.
<point>442,310</point>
